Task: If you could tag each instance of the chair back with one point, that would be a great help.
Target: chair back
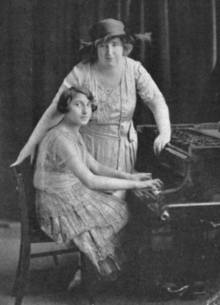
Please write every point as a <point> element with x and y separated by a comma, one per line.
<point>26,198</point>
<point>22,201</point>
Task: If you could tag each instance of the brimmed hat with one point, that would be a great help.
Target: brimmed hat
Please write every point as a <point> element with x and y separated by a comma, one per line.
<point>109,28</point>
<point>106,27</point>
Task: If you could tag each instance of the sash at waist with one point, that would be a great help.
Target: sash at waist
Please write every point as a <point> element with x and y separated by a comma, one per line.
<point>54,182</point>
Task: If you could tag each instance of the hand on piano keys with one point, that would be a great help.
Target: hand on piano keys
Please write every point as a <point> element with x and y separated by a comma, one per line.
<point>147,183</point>
<point>150,196</point>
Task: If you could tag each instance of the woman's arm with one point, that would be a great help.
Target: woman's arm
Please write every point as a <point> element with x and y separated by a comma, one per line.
<point>95,182</point>
<point>101,170</point>
<point>161,115</point>
<point>50,118</point>
<point>153,98</point>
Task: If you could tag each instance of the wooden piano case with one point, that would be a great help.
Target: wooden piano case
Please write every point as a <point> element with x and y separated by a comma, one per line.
<point>185,216</point>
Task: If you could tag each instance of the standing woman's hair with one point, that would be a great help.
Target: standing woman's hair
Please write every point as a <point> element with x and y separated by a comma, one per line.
<point>68,94</point>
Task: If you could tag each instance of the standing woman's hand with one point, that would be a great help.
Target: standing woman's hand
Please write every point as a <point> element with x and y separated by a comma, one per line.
<point>160,142</point>
<point>27,151</point>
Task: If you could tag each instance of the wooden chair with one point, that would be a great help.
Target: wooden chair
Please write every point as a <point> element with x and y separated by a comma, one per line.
<point>31,233</point>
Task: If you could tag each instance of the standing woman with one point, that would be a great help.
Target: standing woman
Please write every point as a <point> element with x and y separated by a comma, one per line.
<point>114,79</point>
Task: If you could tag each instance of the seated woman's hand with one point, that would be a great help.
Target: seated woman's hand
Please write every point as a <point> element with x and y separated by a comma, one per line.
<point>27,151</point>
<point>141,176</point>
<point>152,185</point>
<point>160,143</point>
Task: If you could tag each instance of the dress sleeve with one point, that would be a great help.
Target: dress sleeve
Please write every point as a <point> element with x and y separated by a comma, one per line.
<point>146,87</point>
<point>64,147</point>
<point>75,77</point>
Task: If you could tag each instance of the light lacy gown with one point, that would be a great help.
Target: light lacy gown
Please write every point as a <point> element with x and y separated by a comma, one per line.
<point>69,211</point>
<point>110,135</point>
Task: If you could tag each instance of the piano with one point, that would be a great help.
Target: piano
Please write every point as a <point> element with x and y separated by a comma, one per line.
<point>189,165</point>
<point>185,214</point>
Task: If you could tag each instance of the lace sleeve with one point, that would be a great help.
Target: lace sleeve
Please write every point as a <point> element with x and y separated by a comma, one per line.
<point>64,148</point>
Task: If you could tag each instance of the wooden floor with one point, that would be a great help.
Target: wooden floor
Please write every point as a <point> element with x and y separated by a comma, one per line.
<point>48,285</point>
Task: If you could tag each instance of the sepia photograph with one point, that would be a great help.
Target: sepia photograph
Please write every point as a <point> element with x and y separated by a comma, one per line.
<point>110,152</point>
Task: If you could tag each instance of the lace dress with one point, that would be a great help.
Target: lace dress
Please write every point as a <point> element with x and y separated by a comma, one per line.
<point>110,135</point>
<point>69,211</point>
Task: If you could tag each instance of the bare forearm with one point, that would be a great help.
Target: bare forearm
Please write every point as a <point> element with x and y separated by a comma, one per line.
<point>108,183</point>
<point>46,122</point>
<point>50,118</point>
<point>102,170</point>
<point>162,118</point>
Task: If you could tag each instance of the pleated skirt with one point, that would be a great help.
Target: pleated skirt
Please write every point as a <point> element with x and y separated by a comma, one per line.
<point>92,220</point>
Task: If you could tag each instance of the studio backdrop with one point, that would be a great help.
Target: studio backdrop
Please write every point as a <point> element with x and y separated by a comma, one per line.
<point>39,43</point>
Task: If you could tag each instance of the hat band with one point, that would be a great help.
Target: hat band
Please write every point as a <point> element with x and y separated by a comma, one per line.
<point>102,35</point>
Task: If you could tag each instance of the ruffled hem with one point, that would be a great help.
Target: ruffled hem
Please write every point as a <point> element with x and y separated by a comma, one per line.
<point>92,220</point>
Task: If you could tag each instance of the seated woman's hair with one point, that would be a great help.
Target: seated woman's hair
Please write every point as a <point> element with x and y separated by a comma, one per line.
<point>68,94</point>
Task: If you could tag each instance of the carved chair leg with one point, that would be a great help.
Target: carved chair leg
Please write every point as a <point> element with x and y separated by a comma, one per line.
<point>23,274</point>
<point>17,276</point>
<point>89,280</point>
<point>55,259</point>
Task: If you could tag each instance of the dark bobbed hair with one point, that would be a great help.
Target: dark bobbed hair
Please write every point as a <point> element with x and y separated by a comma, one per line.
<point>68,94</point>
<point>89,50</point>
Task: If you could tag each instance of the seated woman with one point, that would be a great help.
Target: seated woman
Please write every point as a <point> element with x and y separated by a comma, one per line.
<point>75,198</point>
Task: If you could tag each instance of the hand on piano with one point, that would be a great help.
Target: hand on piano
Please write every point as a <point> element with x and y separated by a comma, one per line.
<point>160,142</point>
<point>151,185</point>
